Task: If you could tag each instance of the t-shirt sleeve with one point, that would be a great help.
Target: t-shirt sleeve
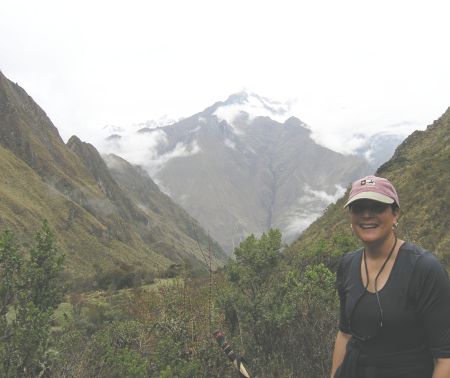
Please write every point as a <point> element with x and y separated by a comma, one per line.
<point>432,297</point>
<point>343,322</point>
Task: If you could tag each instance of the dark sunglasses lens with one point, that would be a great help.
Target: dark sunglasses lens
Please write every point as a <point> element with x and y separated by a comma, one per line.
<point>376,207</point>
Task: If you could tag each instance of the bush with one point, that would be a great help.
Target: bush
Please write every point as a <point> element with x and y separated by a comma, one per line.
<point>280,319</point>
<point>30,291</point>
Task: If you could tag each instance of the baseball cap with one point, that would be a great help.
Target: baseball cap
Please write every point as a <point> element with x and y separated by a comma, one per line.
<point>373,188</point>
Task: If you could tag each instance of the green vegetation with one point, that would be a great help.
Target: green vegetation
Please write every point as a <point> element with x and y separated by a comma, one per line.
<point>279,315</point>
<point>283,315</point>
<point>276,304</point>
<point>29,292</point>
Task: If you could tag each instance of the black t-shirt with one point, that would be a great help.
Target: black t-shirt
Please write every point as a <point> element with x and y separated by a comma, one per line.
<point>416,312</point>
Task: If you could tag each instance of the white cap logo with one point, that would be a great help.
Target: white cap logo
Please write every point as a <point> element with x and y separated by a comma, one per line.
<point>368,182</point>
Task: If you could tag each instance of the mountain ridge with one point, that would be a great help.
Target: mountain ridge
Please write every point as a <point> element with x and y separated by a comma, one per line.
<point>71,187</point>
<point>240,173</point>
<point>419,169</point>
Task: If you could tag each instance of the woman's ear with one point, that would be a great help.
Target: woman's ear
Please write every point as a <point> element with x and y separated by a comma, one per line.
<point>396,212</point>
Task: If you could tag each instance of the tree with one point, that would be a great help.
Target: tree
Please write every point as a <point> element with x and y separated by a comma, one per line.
<point>256,260</point>
<point>30,292</point>
<point>284,314</point>
<point>248,302</point>
<point>10,267</point>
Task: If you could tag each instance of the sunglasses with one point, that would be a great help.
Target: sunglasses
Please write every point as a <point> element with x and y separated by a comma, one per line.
<point>372,206</point>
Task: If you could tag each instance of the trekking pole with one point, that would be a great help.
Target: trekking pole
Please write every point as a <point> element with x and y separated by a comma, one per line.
<point>234,357</point>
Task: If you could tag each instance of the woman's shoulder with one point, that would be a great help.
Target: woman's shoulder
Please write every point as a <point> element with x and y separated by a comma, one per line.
<point>347,268</point>
<point>420,259</point>
<point>429,281</point>
<point>413,249</point>
<point>349,257</point>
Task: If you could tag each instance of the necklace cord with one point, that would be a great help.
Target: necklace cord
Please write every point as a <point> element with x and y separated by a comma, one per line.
<point>376,278</point>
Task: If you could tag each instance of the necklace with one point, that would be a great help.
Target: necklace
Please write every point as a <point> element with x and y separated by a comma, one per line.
<point>379,272</point>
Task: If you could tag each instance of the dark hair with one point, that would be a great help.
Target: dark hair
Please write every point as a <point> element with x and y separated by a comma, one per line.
<point>395,207</point>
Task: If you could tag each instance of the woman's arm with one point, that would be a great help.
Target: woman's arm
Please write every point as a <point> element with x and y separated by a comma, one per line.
<point>340,347</point>
<point>442,368</point>
<point>432,291</point>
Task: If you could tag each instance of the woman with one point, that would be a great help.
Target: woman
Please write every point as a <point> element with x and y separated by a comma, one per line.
<point>394,296</point>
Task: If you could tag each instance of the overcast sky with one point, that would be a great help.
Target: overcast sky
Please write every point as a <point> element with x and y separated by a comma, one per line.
<point>344,66</point>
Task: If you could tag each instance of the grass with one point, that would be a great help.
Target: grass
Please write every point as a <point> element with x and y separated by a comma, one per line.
<point>106,299</point>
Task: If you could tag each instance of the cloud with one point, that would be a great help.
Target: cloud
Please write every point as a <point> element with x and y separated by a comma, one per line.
<point>113,129</point>
<point>143,148</point>
<point>156,162</point>
<point>161,186</point>
<point>107,74</point>
<point>299,223</point>
<point>229,114</point>
<point>230,144</point>
<point>155,123</point>
<point>248,108</point>
<point>136,148</point>
<point>348,135</point>
<point>308,208</point>
<point>324,196</point>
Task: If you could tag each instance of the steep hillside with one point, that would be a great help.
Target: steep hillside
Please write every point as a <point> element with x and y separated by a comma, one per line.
<point>420,170</point>
<point>173,230</point>
<point>99,227</point>
<point>25,200</point>
<point>30,135</point>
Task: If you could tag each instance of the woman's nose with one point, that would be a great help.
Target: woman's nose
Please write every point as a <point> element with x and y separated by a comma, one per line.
<point>367,212</point>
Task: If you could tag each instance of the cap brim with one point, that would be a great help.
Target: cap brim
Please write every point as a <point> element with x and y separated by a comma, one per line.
<point>372,196</point>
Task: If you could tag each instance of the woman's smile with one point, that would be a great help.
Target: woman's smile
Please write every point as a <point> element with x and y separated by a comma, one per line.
<point>371,221</point>
<point>368,225</point>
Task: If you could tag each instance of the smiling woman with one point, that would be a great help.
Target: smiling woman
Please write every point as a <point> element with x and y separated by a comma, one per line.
<point>394,296</point>
<point>372,221</point>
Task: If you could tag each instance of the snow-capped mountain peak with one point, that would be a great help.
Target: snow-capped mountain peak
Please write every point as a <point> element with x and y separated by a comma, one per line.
<point>243,107</point>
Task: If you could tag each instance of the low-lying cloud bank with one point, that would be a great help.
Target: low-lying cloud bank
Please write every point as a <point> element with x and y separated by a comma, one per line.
<point>147,149</point>
<point>308,208</point>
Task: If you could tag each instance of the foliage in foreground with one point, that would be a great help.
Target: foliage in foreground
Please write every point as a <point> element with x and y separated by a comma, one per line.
<point>280,316</point>
<point>29,293</point>
<point>285,317</point>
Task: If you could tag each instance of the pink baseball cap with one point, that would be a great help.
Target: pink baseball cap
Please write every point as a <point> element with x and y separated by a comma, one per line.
<point>373,188</point>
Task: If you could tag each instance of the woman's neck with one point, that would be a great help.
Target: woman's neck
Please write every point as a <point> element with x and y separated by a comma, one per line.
<point>380,249</point>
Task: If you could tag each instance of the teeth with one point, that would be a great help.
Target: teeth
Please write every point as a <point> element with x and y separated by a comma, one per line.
<point>368,225</point>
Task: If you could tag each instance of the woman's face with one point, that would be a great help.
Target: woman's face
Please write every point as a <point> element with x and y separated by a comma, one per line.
<point>372,221</point>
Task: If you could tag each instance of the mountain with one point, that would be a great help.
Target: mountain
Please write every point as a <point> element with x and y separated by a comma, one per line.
<point>378,148</point>
<point>99,226</point>
<point>420,171</point>
<point>241,167</point>
<point>174,231</point>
